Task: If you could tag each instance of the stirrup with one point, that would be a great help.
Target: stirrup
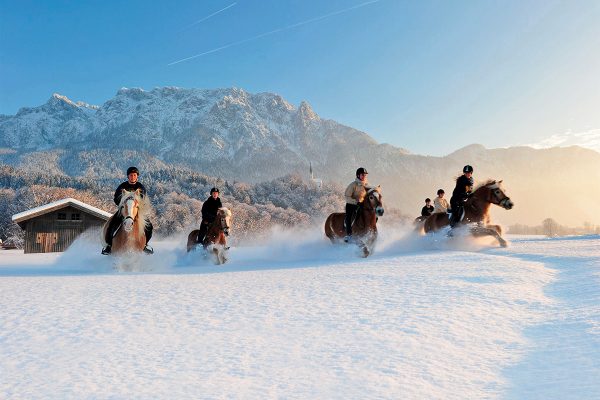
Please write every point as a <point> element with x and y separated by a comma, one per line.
<point>106,250</point>
<point>347,238</point>
<point>148,250</point>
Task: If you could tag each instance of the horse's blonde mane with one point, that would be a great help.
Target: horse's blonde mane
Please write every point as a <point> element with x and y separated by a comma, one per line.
<point>487,183</point>
<point>226,211</point>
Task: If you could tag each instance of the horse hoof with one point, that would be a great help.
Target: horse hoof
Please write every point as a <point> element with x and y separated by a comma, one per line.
<point>503,243</point>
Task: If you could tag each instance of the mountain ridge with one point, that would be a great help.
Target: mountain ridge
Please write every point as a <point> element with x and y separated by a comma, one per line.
<point>235,135</point>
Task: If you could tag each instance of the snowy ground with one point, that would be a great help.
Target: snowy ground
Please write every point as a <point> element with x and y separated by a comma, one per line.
<point>423,318</point>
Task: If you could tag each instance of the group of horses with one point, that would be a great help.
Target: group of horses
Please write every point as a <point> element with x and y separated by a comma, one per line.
<point>134,208</point>
<point>133,211</point>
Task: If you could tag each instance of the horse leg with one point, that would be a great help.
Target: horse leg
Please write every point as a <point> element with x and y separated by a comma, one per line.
<point>365,251</point>
<point>366,243</point>
<point>484,231</point>
<point>224,251</point>
<point>497,228</point>
<point>217,253</point>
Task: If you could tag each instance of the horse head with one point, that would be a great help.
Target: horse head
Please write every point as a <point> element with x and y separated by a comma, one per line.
<point>224,217</point>
<point>374,200</point>
<point>497,196</point>
<point>129,207</point>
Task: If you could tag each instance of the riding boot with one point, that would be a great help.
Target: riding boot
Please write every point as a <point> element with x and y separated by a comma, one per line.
<point>113,225</point>
<point>202,233</point>
<point>148,249</point>
<point>148,229</point>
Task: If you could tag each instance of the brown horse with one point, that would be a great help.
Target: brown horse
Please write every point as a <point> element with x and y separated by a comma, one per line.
<point>364,226</point>
<point>476,211</point>
<point>215,241</point>
<point>133,210</point>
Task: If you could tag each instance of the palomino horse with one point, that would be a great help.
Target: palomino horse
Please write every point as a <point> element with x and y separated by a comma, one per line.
<point>133,210</point>
<point>215,241</point>
<point>476,210</point>
<point>364,226</point>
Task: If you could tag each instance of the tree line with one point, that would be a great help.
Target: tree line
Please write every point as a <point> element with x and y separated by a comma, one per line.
<point>549,227</point>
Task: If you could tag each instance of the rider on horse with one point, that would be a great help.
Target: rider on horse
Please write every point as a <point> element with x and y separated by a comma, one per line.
<point>427,209</point>
<point>440,204</point>
<point>209,212</point>
<point>355,195</point>
<point>131,184</point>
<point>462,191</point>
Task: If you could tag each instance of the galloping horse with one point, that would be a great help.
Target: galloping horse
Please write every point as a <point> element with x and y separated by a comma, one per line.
<point>133,210</point>
<point>476,210</point>
<point>215,241</point>
<point>364,226</point>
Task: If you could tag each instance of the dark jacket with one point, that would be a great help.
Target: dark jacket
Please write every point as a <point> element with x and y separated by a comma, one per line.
<point>129,187</point>
<point>210,208</point>
<point>463,189</point>
<point>426,211</point>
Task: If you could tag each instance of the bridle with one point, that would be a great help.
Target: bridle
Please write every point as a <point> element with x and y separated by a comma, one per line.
<point>128,205</point>
<point>497,196</point>
<point>374,196</point>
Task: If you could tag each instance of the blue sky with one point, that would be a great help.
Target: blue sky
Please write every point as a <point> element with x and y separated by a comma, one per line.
<point>429,76</point>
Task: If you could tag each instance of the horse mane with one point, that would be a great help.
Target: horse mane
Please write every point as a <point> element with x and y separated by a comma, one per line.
<point>486,183</point>
<point>226,211</point>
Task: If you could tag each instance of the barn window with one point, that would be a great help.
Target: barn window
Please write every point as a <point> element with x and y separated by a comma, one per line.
<point>62,216</point>
<point>75,217</point>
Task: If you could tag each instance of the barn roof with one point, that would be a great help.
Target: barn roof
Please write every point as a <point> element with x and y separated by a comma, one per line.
<point>57,205</point>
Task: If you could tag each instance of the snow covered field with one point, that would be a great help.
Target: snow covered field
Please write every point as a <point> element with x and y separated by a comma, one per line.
<point>423,318</point>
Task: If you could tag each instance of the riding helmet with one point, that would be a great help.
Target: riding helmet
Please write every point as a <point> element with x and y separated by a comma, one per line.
<point>361,170</point>
<point>467,168</point>
<point>132,170</point>
<point>213,190</point>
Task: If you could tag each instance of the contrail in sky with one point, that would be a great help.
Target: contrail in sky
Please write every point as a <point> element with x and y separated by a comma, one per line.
<point>209,16</point>
<point>285,28</point>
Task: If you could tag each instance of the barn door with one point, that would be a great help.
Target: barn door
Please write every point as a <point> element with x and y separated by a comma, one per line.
<point>47,240</point>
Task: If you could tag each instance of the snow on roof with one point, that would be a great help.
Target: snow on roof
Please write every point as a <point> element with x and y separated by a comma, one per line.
<point>55,205</point>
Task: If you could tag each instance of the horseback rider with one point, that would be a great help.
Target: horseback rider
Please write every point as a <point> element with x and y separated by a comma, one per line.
<point>440,204</point>
<point>462,191</point>
<point>131,184</point>
<point>355,195</point>
<point>210,208</point>
<point>427,209</point>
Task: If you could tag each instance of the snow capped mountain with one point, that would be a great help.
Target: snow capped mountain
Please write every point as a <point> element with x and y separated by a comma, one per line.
<point>226,132</point>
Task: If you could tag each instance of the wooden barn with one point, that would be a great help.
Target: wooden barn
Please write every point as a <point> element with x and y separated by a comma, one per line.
<point>54,226</point>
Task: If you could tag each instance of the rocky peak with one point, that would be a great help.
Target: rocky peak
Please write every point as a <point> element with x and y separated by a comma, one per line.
<point>306,112</point>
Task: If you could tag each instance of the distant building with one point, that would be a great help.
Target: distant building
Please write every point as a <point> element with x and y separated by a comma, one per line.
<point>314,180</point>
<point>54,226</point>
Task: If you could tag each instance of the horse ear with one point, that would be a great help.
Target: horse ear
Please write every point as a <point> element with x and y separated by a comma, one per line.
<point>138,191</point>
